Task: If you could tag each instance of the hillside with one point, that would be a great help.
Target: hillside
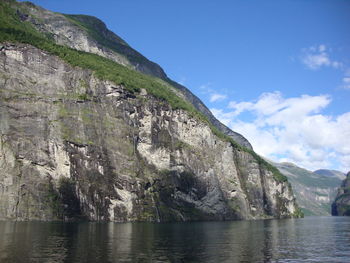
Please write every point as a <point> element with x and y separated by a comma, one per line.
<point>330,173</point>
<point>90,130</point>
<point>89,34</point>
<point>314,191</point>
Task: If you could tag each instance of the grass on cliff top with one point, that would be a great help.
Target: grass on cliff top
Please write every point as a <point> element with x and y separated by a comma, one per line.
<point>12,29</point>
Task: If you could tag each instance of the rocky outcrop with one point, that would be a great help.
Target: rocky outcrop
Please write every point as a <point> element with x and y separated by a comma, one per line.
<point>341,204</point>
<point>75,147</point>
<point>89,34</point>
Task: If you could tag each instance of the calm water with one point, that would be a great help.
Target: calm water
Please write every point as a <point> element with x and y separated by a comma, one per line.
<point>313,239</point>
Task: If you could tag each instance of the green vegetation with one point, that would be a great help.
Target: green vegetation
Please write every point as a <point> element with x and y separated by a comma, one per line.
<point>298,213</point>
<point>308,212</point>
<point>12,29</point>
<point>179,145</point>
<point>83,84</point>
<point>83,97</point>
<point>9,94</point>
<point>276,173</point>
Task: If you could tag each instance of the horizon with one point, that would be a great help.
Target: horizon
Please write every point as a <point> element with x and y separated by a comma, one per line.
<point>284,85</point>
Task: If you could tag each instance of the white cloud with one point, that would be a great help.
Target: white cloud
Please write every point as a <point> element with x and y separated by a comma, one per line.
<point>217,97</point>
<point>293,129</point>
<point>225,118</point>
<point>240,107</point>
<point>345,160</point>
<point>214,95</point>
<point>316,57</point>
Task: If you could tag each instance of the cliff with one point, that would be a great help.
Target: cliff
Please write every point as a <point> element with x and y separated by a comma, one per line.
<point>89,34</point>
<point>85,136</point>
<point>341,204</point>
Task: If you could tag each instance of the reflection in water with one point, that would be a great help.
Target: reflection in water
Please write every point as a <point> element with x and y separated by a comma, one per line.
<point>322,239</point>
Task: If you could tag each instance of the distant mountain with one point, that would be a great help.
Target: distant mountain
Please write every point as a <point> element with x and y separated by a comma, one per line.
<point>314,191</point>
<point>341,204</point>
<point>331,173</point>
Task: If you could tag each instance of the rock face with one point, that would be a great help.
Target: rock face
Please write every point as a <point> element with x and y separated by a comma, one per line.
<point>89,34</point>
<point>314,191</point>
<point>341,204</point>
<point>75,146</point>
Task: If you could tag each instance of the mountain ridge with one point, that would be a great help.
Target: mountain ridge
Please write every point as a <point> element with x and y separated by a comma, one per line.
<point>115,48</point>
<point>315,191</point>
<point>330,173</point>
<point>83,136</point>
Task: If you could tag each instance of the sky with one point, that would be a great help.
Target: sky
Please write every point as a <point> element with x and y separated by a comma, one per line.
<point>276,71</point>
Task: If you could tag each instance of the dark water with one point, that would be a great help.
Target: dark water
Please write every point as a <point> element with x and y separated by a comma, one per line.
<point>313,239</point>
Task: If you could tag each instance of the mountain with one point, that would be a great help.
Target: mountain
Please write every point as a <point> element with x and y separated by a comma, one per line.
<point>341,204</point>
<point>91,129</point>
<point>89,34</point>
<point>331,173</point>
<point>314,191</point>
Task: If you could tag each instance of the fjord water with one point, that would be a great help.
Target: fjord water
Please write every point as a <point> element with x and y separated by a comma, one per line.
<point>312,239</point>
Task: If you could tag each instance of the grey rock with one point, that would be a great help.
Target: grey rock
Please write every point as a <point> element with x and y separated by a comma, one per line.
<point>341,204</point>
<point>71,30</point>
<point>113,156</point>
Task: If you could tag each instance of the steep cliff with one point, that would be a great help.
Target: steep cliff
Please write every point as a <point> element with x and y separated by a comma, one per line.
<point>341,204</point>
<point>314,191</point>
<point>89,34</point>
<point>83,137</point>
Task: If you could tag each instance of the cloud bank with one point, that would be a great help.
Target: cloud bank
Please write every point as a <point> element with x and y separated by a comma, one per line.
<point>292,129</point>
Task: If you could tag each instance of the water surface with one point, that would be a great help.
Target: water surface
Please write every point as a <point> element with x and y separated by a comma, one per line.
<point>313,239</point>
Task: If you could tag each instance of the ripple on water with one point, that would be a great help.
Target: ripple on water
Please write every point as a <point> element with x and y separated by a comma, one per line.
<point>313,239</point>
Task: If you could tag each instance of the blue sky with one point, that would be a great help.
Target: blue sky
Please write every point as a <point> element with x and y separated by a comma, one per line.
<point>276,71</point>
